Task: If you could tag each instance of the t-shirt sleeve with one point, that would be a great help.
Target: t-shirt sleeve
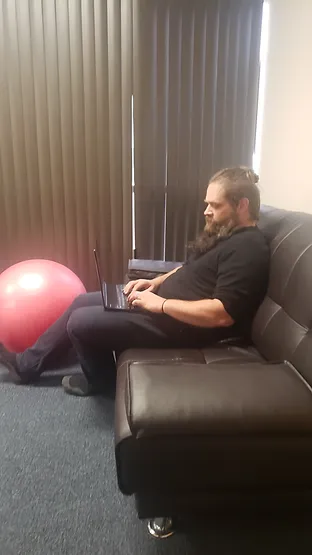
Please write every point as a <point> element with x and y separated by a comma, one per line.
<point>240,278</point>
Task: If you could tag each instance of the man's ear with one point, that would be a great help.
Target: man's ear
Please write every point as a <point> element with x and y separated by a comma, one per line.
<point>243,205</point>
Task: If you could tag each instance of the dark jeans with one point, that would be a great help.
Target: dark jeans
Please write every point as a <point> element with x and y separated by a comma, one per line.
<point>95,334</point>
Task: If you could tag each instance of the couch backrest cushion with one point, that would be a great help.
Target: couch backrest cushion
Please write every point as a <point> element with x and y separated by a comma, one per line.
<point>282,325</point>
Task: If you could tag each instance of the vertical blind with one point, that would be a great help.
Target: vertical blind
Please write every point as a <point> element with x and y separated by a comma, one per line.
<point>196,71</point>
<point>65,133</point>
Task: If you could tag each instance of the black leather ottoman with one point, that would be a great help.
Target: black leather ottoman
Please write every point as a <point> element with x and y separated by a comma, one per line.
<point>236,435</point>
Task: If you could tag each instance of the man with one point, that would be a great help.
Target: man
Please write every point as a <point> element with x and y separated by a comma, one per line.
<point>213,296</point>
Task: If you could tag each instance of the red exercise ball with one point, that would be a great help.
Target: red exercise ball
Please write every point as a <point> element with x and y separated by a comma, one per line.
<point>33,294</point>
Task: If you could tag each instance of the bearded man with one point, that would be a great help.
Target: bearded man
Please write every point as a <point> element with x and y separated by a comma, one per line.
<point>213,296</point>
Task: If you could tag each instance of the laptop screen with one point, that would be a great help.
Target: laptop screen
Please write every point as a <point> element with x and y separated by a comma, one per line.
<point>98,273</point>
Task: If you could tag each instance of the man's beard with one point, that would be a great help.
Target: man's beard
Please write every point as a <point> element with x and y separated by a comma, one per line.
<point>212,234</point>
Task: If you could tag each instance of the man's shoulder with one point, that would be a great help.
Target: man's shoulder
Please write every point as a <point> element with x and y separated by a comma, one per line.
<point>247,236</point>
<point>249,242</point>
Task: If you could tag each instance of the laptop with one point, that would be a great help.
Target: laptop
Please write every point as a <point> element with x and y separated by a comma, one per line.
<point>113,296</point>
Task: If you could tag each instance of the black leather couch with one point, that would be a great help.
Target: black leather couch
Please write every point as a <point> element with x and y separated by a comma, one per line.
<point>230,426</point>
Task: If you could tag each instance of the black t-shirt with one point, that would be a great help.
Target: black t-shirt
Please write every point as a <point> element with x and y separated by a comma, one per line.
<point>235,271</point>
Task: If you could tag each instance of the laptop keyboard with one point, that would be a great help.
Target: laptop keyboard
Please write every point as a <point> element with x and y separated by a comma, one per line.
<point>121,297</point>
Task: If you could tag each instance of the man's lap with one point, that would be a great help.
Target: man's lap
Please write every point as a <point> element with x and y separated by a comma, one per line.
<point>119,330</point>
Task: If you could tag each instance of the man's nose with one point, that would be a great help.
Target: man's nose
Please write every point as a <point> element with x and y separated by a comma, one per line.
<point>208,211</point>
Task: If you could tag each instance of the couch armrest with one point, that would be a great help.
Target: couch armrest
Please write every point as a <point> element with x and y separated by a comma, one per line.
<point>149,269</point>
<point>222,399</point>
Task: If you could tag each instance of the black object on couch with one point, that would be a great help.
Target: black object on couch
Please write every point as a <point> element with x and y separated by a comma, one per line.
<point>227,427</point>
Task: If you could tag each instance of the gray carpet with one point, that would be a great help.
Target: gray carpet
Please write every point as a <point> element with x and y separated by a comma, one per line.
<point>59,493</point>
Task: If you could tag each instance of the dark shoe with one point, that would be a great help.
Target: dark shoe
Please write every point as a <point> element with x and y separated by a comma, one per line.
<point>78,385</point>
<point>9,360</point>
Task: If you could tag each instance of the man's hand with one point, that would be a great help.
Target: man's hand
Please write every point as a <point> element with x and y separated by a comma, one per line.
<point>146,300</point>
<point>140,285</point>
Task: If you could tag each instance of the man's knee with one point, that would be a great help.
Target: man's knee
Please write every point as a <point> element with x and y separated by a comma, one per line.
<point>79,301</point>
<point>92,324</point>
<point>85,322</point>
<point>76,321</point>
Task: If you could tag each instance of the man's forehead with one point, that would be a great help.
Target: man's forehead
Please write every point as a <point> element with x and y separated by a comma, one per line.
<point>214,193</point>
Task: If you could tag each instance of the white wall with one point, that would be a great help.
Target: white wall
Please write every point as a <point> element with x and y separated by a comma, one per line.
<point>286,145</point>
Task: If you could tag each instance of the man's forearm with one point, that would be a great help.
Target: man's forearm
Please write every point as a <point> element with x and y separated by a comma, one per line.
<point>208,313</point>
<point>160,279</point>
